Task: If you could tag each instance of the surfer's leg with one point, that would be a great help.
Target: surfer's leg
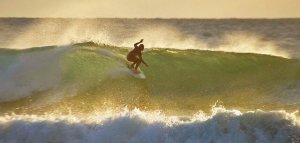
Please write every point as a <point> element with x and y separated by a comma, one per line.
<point>137,64</point>
<point>132,65</point>
<point>133,59</point>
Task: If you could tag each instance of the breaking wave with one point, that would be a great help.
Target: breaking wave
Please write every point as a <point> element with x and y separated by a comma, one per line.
<point>226,126</point>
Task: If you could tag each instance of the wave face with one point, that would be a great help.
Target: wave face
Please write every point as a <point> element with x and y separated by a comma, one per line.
<point>89,71</point>
<point>77,93</point>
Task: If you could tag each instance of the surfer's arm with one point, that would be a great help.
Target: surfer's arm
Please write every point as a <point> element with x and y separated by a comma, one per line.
<point>144,63</point>
<point>140,57</point>
<point>136,44</point>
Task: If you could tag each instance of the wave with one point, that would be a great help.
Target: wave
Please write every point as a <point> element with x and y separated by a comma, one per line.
<point>135,126</point>
<point>89,71</point>
<point>28,71</point>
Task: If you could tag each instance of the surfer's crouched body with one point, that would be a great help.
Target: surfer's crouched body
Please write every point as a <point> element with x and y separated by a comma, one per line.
<point>135,56</point>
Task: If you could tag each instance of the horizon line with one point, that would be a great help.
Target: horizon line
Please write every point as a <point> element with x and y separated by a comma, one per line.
<point>150,17</point>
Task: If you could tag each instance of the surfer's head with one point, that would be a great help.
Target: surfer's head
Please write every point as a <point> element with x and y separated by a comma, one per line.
<point>141,47</point>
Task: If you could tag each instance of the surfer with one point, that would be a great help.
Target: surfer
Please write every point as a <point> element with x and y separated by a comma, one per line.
<point>135,56</point>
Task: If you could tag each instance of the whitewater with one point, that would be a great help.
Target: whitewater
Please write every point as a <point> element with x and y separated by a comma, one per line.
<point>210,81</point>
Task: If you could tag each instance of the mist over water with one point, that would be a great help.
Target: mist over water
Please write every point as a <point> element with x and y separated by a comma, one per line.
<point>63,80</point>
<point>275,37</point>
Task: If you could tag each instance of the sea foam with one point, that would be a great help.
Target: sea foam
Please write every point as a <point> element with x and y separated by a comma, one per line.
<point>222,126</point>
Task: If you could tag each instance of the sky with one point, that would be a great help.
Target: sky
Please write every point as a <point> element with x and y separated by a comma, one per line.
<point>151,8</point>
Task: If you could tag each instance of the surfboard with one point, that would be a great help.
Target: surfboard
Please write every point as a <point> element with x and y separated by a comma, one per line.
<point>138,74</point>
<point>122,59</point>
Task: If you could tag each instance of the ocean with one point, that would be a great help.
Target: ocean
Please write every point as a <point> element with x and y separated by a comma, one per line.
<point>208,81</point>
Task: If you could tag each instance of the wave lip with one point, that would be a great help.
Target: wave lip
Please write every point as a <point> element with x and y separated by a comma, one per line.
<point>226,126</point>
